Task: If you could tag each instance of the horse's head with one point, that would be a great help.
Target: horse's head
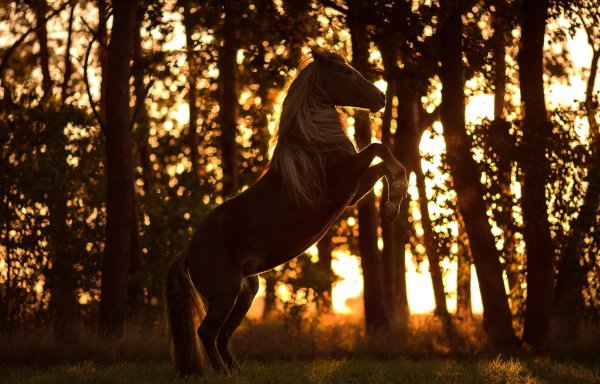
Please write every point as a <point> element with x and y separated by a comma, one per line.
<point>345,86</point>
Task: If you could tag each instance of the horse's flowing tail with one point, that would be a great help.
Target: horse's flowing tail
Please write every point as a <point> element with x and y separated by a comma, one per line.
<point>185,309</point>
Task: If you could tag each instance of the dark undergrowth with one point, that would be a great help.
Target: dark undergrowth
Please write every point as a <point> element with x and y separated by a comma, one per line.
<point>283,338</point>
<point>291,350</point>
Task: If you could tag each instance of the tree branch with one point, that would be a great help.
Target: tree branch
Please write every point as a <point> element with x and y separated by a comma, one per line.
<point>140,102</point>
<point>86,80</point>
<point>9,52</point>
<point>68,63</point>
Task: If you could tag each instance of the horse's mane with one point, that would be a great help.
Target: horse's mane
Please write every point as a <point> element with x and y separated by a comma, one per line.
<point>309,127</point>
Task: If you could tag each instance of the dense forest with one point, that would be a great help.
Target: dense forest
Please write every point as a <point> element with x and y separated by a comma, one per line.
<point>123,123</point>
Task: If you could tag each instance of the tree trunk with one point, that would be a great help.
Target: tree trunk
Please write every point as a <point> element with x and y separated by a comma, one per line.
<point>40,8</point>
<point>394,234</point>
<point>376,316</point>
<point>192,96</point>
<point>120,197</point>
<point>228,82</point>
<point>142,120</point>
<point>504,164</point>
<point>135,284</point>
<point>270,298</point>
<point>325,248</point>
<point>388,228</point>
<point>7,243</point>
<point>68,62</point>
<point>465,173</point>
<point>60,278</point>
<point>142,123</point>
<point>102,53</point>
<point>406,132</point>
<point>536,131</point>
<point>499,53</point>
<point>402,312</point>
<point>463,274</point>
<point>135,290</point>
<point>433,257</point>
<point>571,276</point>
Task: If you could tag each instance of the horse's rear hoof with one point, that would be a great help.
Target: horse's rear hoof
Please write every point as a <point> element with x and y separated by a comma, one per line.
<point>391,210</point>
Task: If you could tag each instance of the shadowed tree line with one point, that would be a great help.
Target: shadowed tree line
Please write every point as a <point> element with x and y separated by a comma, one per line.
<point>122,123</point>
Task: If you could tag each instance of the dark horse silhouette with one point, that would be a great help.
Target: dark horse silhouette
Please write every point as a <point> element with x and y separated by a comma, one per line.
<point>314,174</point>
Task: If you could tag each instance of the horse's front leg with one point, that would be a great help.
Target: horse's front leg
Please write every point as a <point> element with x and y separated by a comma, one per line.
<point>356,171</point>
<point>397,185</point>
<point>367,182</point>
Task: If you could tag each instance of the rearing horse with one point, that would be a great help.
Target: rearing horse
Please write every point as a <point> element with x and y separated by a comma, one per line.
<point>314,174</point>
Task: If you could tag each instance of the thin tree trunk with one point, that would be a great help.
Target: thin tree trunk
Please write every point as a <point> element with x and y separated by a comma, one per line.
<point>270,298</point>
<point>142,122</point>
<point>463,274</point>
<point>135,291</point>
<point>464,172</point>
<point>68,62</point>
<point>429,241</point>
<point>376,316</point>
<point>499,52</point>
<point>325,249</point>
<point>402,312</point>
<point>6,293</point>
<point>192,95</point>
<point>388,228</point>
<point>40,8</point>
<point>536,131</point>
<point>228,82</point>
<point>120,199</point>
<point>591,110</point>
<point>405,134</point>
<point>262,135</point>
<point>102,53</point>
<point>504,218</point>
<point>60,279</point>
<point>394,234</point>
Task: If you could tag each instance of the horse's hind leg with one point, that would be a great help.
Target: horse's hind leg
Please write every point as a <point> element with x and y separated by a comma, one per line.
<point>220,304</point>
<point>242,305</point>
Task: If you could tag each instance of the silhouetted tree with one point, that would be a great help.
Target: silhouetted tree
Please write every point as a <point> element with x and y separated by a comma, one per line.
<point>464,173</point>
<point>120,196</point>
<point>325,249</point>
<point>463,273</point>
<point>536,132</point>
<point>376,316</point>
<point>228,84</point>
<point>573,275</point>
<point>189,22</point>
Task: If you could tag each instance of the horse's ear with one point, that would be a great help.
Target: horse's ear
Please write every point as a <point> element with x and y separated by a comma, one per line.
<point>318,56</point>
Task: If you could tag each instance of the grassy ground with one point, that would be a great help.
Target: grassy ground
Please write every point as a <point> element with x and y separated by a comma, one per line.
<point>347,371</point>
<point>320,350</point>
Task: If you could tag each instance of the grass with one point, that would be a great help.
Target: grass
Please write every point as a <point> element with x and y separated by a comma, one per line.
<point>347,371</point>
<point>306,351</point>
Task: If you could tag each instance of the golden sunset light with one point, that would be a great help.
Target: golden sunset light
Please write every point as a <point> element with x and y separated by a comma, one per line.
<point>299,191</point>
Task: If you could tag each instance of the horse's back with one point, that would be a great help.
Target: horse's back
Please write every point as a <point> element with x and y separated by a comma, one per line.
<point>258,229</point>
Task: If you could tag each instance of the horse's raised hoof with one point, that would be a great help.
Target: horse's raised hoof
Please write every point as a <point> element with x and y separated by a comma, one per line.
<point>391,210</point>
<point>399,189</point>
